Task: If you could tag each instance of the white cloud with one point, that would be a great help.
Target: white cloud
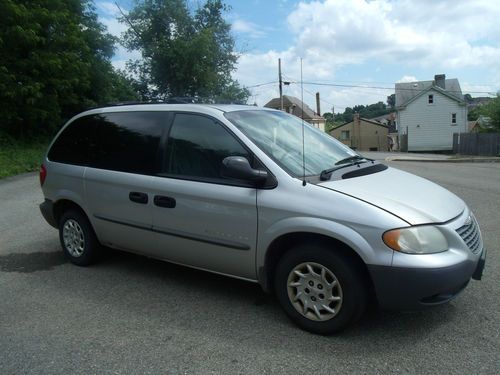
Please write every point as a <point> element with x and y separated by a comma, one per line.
<point>347,97</point>
<point>478,90</point>
<point>251,29</point>
<point>109,14</point>
<point>108,8</point>
<point>114,27</point>
<point>424,33</point>
<point>122,56</point>
<point>433,34</point>
<point>405,79</point>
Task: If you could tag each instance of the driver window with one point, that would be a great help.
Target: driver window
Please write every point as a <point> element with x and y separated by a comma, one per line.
<point>196,147</point>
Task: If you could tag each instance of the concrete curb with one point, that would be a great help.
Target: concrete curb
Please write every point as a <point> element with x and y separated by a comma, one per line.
<point>450,160</point>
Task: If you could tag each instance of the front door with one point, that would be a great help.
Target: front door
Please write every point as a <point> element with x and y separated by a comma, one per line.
<point>201,219</point>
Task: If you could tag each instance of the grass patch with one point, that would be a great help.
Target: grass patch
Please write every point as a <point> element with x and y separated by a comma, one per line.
<point>21,156</point>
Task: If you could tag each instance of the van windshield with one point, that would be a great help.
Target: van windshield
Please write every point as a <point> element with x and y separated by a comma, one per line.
<point>279,135</point>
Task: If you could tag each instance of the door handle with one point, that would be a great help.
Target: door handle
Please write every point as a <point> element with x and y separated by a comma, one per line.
<point>162,201</point>
<point>138,197</point>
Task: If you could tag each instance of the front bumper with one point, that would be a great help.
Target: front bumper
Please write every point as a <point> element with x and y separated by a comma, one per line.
<point>404,288</point>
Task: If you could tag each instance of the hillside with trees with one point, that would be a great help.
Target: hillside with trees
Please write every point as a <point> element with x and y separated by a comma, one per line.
<point>55,59</point>
<point>368,111</point>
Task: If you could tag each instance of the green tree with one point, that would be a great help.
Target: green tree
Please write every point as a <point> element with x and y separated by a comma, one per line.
<point>330,121</point>
<point>473,114</point>
<point>183,54</point>
<point>372,110</point>
<point>368,111</point>
<point>347,116</point>
<point>107,85</point>
<point>54,62</point>
<point>492,110</point>
<point>391,101</point>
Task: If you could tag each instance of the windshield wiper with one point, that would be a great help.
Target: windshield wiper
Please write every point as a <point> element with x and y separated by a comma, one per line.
<point>343,163</point>
<point>351,158</point>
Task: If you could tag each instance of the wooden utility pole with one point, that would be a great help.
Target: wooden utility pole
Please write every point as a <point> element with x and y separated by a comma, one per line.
<point>281,84</point>
<point>318,109</point>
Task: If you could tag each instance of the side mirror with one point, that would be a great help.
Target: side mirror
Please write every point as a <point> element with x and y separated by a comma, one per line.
<point>239,168</point>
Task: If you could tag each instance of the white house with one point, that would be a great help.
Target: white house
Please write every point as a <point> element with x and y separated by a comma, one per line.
<point>430,112</point>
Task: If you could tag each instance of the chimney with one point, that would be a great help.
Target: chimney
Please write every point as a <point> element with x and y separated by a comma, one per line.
<point>318,111</point>
<point>440,80</point>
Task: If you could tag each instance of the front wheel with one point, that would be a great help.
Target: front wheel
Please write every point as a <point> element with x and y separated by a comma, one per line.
<point>321,290</point>
<point>78,240</point>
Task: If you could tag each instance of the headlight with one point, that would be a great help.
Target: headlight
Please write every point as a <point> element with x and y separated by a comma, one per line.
<point>416,240</point>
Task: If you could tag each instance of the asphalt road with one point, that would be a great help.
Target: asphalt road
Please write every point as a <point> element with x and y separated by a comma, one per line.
<point>134,315</point>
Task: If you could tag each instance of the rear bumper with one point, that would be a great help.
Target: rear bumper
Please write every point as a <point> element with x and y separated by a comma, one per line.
<point>415,288</point>
<point>47,210</point>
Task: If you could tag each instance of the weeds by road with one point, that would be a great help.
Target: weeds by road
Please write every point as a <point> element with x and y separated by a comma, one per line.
<point>20,156</point>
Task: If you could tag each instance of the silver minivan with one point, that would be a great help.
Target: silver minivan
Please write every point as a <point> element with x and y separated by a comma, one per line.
<point>259,195</point>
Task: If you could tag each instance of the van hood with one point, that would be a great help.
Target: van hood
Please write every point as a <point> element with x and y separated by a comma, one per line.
<point>411,198</point>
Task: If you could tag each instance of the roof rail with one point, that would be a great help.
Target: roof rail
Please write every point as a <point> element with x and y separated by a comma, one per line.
<point>171,100</point>
<point>133,102</point>
<point>186,100</point>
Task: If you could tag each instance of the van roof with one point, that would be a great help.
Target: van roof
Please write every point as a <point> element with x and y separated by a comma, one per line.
<point>188,107</point>
<point>175,103</point>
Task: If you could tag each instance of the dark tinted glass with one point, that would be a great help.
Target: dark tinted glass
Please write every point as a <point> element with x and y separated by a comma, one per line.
<point>197,145</point>
<point>127,141</point>
<point>73,145</point>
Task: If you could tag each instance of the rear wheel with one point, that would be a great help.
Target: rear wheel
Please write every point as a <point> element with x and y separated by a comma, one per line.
<point>78,240</point>
<point>320,290</point>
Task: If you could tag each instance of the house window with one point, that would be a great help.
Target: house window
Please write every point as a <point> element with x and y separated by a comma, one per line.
<point>453,118</point>
<point>344,136</point>
<point>431,99</point>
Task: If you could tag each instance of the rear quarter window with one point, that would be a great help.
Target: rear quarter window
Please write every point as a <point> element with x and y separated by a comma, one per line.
<point>74,143</point>
<point>123,141</point>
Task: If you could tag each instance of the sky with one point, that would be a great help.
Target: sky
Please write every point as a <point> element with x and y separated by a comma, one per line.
<point>352,51</point>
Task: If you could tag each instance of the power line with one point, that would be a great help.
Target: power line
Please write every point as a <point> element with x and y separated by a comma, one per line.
<point>388,88</point>
<point>392,83</point>
<point>328,84</point>
<point>309,92</point>
<point>359,85</point>
<point>313,95</point>
<point>262,84</point>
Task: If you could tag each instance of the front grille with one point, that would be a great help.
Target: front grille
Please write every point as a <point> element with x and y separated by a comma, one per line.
<point>471,236</point>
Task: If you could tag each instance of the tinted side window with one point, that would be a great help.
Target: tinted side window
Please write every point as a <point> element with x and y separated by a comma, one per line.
<point>73,144</point>
<point>127,141</point>
<point>197,145</point>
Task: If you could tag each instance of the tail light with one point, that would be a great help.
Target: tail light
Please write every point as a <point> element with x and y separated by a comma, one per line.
<point>43,174</point>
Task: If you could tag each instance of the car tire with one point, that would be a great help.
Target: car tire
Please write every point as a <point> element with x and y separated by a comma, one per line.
<point>78,239</point>
<point>320,289</point>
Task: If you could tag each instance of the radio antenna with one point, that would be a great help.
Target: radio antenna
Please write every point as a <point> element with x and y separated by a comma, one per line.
<point>303,126</point>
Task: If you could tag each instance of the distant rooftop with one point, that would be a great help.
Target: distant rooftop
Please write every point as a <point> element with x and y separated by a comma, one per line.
<point>294,105</point>
<point>406,91</point>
